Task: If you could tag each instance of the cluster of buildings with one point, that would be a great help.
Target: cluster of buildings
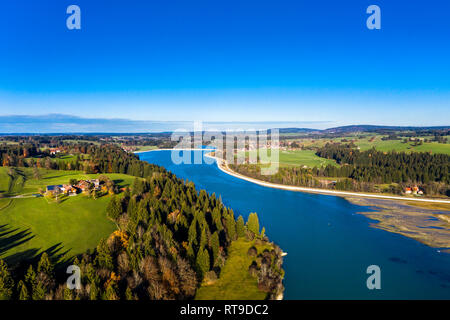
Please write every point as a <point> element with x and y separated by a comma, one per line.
<point>71,190</point>
<point>413,190</point>
<point>129,149</point>
<point>54,151</point>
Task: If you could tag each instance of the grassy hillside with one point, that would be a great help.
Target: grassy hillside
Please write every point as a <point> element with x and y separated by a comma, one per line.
<point>31,225</point>
<point>51,177</point>
<point>234,276</point>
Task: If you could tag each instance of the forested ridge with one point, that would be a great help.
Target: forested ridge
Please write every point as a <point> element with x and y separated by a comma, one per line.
<point>87,157</point>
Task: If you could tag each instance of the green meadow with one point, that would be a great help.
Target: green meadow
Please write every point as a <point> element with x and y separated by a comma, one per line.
<point>398,145</point>
<point>235,276</point>
<point>303,158</point>
<point>31,225</point>
<point>145,148</point>
<point>367,143</point>
<point>298,158</point>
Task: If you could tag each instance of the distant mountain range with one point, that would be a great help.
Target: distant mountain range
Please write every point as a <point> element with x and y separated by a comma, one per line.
<point>61,124</point>
<point>67,124</point>
<point>362,128</point>
<point>371,128</point>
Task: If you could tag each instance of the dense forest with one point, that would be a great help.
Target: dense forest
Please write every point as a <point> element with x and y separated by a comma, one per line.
<point>386,167</point>
<point>89,158</point>
<point>169,237</point>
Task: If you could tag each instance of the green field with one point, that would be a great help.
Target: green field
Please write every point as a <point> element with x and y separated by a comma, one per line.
<point>31,225</point>
<point>145,148</point>
<point>299,158</point>
<point>235,277</point>
<point>398,145</point>
<point>387,145</point>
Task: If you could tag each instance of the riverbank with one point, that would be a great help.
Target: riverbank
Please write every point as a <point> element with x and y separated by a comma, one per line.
<point>223,166</point>
<point>428,226</point>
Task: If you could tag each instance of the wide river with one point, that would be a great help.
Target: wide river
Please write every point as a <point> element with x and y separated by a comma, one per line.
<point>329,244</point>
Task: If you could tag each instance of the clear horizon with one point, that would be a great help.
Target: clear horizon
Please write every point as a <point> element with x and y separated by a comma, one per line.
<point>256,61</point>
<point>61,123</point>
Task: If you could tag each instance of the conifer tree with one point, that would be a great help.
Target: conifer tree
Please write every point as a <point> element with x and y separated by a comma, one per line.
<point>23,291</point>
<point>45,265</point>
<point>114,208</point>
<point>253,223</point>
<point>231,227</point>
<point>215,245</point>
<point>203,238</point>
<point>192,233</point>
<point>6,282</point>
<point>240,227</point>
<point>202,262</point>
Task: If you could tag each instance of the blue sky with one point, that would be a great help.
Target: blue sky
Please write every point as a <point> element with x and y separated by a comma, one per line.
<point>217,60</point>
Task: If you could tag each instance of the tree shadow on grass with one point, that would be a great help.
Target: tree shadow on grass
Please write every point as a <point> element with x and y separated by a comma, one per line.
<point>19,262</point>
<point>10,238</point>
<point>13,237</point>
<point>118,181</point>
